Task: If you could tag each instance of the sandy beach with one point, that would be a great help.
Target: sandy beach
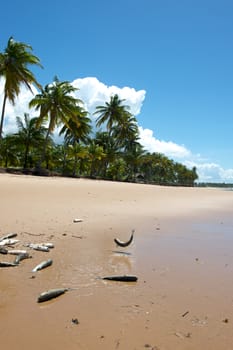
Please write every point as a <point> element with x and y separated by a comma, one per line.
<point>182,254</point>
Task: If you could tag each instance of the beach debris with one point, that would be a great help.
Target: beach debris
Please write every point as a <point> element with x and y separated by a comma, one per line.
<point>124,244</point>
<point>226,320</point>
<point>3,250</point>
<point>9,235</point>
<point>21,256</point>
<point>50,294</point>
<point>7,264</point>
<point>39,247</point>
<point>80,237</point>
<point>17,251</point>
<point>183,335</point>
<point>77,220</point>
<point>33,234</point>
<point>75,321</point>
<point>42,265</point>
<point>151,347</point>
<point>121,252</point>
<point>124,278</point>
<point>148,346</point>
<point>185,313</point>
<point>47,244</point>
<point>8,241</point>
<point>199,322</point>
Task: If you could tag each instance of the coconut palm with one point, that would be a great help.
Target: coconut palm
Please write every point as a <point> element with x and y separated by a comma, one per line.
<point>57,105</point>
<point>9,155</point>
<point>126,131</point>
<point>95,154</point>
<point>79,129</point>
<point>109,145</point>
<point>14,62</point>
<point>133,157</point>
<point>29,136</point>
<point>78,153</point>
<point>111,112</point>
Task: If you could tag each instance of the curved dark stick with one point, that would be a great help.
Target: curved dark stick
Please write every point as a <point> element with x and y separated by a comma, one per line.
<point>124,244</point>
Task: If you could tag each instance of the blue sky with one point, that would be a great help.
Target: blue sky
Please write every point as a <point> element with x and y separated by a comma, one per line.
<point>173,59</point>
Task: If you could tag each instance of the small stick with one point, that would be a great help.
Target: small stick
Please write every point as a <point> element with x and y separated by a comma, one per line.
<point>186,313</point>
<point>33,234</point>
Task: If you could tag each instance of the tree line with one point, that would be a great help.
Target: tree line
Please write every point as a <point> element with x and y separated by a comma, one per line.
<point>110,149</point>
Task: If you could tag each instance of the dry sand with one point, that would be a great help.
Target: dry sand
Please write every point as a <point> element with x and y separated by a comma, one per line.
<point>182,254</point>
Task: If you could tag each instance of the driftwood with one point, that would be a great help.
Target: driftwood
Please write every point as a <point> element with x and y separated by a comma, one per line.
<point>124,278</point>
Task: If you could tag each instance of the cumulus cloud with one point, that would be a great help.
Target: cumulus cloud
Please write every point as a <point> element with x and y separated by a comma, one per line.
<point>18,109</point>
<point>207,171</point>
<point>211,172</point>
<point>168,148</point>
<point>93,93</point>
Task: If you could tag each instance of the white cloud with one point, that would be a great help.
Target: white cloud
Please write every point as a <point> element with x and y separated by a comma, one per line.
<point>93,93</point>
<point>207,171</point>
<point>211,172</point>
<point>20,107</point>
<point>169,148</point>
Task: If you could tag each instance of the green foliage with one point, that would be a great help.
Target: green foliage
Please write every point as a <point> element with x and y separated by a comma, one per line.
<point>14,62</point>
<point>114,154</point>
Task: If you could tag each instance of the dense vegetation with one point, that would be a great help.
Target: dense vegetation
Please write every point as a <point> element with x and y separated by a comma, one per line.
<point>110,149</point>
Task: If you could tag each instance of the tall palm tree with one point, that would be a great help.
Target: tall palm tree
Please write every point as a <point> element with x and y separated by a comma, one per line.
<point>14,62</point>
<point>56,105</point>
<point>111,112</point>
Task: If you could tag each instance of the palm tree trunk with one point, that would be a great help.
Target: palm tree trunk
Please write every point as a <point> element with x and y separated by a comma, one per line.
<point>45,147</point>
<point>43,153</point>
<point>26,156</point>
<point>2,116</point>
<point>75,165</point>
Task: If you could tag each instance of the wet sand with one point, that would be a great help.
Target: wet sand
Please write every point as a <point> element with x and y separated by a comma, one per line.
<point>182,254</point>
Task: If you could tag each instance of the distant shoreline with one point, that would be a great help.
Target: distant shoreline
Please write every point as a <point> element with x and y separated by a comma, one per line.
<point>46,173</point>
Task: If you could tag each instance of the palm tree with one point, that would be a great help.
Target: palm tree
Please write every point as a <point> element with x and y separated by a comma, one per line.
<point>108,143</point>
<point>111,113</point>
<point>14,63</point>
<point>29,135</point>
<point>185,176</point>
<point>133,158</point>
<point>56,105</point>
<point>126,131</point>
<point>95,154</point>
<point>78,130</point>
<point>78,154</point>
<point>9,151</point>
